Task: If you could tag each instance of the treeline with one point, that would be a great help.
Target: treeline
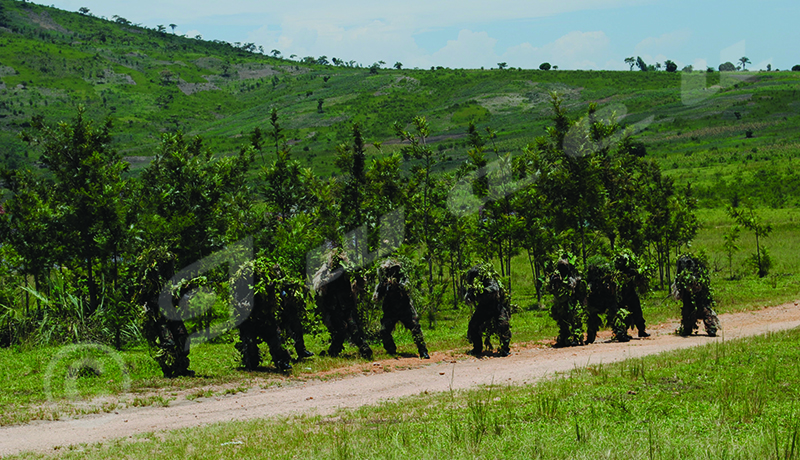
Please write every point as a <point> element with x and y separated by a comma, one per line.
<point>80,233</point>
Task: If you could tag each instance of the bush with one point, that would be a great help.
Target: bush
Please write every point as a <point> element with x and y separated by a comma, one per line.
<point>545,66</point>
<point>766,263</point>
<point>727,67</point>
<point>796,68</point>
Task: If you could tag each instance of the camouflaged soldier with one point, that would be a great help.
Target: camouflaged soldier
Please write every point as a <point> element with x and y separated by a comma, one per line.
<point>631,282</point>
<point>485,291</point>
<point>569,292</point>
<point>602,300</point>
<point>166,335</point>
<point>692,287</point>
<point>257,308</point>
<point>337,303</point>
<point>393,289</point>
<point>292,309</point>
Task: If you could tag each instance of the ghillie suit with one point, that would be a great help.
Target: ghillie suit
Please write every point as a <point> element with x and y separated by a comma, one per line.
<point>337,303</point>
<point>632,282</point>
<point>292,310</point>
<point>165,332</point>
<point>569,292</point>
<point>485,291</point>
<point>602,300</point>
<point>257,308</point>
<point>692,287</point>
<point>394,289</point>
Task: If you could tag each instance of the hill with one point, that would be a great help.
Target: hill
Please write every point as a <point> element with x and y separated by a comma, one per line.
<point>719,132</point>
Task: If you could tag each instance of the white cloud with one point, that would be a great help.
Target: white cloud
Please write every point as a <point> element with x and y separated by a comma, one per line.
<point>576,50</point>
<point>667,43</point>
<point>469,50</point>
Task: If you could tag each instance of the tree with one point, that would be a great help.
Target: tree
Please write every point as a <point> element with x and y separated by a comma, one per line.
<point>658,66</point>
<point>670,66</point>
<point>323,60</point>
<point>727,67</point>
<point>796,68</point>
<point>320,101</point>
<point>689,68</point>
<point>398,65</point>
<point>87,187</point>
<point>631,61</point>
<point>744,60</point>
<point>373,69</point>
<point>729,244</point>
<point>641,64</point>
<point>751,221</point>
<point>161,28</point>
<point>173,27</point>
<point>83,10</point>
<point>544,66</point>
<point>502,65</point>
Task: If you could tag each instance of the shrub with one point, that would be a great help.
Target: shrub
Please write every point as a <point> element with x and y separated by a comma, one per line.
<point>796,68</point>
<point>545,66</point>
<point>727,67</point>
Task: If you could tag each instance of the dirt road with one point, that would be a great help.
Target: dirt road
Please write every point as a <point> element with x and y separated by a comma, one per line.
<point>323,397</point>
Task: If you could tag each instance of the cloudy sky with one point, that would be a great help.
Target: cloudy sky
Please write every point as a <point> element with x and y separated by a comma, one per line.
<point>572,34</point>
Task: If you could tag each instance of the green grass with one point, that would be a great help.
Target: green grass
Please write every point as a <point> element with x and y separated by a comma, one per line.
<point>726,400</point>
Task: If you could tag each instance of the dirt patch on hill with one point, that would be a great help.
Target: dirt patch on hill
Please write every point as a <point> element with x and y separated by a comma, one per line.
<point>44,21</point>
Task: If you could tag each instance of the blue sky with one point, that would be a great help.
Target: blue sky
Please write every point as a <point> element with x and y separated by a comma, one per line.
<point>572,34</point>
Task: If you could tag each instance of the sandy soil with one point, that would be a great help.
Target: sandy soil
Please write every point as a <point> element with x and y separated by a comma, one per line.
<point>528,363</point>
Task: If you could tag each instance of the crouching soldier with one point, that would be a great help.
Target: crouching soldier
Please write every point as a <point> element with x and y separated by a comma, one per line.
<point>393,289</point>
<point>163,327</point>
<point>337,303</point>
<point>257,302</point>
<point>485,291</point>
<point>692,287</point>
<point>569,292</point>
<point>602,299</point>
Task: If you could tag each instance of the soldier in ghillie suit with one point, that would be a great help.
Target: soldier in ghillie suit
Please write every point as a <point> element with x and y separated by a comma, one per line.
<point>485,291</point>
<point>692,287</point>
<point>632,281</point>
<point>257,311</point>
<point>163,328</point>
<point>337,303</point>
<point>292,310</point>
<point>602,299</point>
<point>569,292</point>
<point>394,289</point>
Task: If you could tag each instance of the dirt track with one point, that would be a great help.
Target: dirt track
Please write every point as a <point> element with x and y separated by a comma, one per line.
<point>324,397</point>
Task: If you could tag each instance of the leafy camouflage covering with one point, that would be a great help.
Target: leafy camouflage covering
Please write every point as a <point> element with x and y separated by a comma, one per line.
<point>337,303</point>
<point>393,288</point>
<point>633,280</point>
<point>485,291</point>
<point>167,337</point>
<point>693,287</point>
<point>569,292</point>
<point>603,290</point>
<point>270,313</point>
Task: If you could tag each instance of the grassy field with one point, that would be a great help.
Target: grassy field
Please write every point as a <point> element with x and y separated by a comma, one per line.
<point>727,400</point>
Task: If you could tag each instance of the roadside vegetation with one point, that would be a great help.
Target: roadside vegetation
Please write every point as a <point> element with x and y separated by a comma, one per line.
<point>727,400</point>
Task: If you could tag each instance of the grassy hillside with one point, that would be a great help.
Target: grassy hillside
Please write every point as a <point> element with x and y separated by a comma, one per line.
<point>151,82</point>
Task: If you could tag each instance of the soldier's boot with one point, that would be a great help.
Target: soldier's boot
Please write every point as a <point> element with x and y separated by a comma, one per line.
<point>303,353</point>
<point>505,349</point>
<point>388,342</point>
<point>423,351</point>
<point>365,351</point>
<point>642,332</point>
<point>591,335</point>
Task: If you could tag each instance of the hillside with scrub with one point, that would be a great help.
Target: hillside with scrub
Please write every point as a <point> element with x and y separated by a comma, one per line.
<point>133,156</point>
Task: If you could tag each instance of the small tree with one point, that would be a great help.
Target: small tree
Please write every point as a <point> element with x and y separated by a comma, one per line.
<point>501,65</point>
<point>275,53</point>
<point>727,67</point>
<point>751,221</point>
<point>544,66</point>
<point>670,66</point>
<point>173,26</point>
<point>796,68</point>
<point>320,101</point>
<point>631,61</point>
<point>83,10</point>
<point>641,64</point>
<point>161,28</point>
<point>398,65</point>
<point>729,244</point>
<point>744,60</point>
